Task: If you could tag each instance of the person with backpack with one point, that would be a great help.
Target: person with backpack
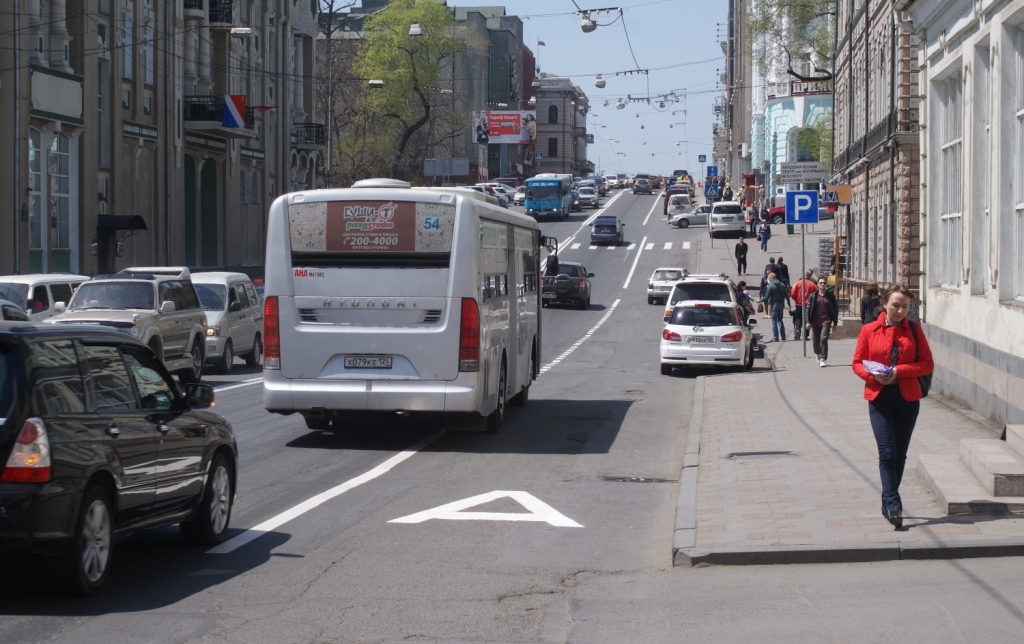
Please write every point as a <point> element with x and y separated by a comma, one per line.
<point>764,233</point>
<point>870,305</point>
<point>776,296</point>
<point>895,362</point>
<point>822,317</point>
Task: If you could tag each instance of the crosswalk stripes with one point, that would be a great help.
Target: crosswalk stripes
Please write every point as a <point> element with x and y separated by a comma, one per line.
<point>686,245</point>
<point>631,246</point>
<point>649,247</point>
<point>574,246</point>
<point>668,245</point>
<point>592,247</point>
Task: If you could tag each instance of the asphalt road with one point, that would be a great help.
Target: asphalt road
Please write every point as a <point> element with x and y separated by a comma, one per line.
<point>593,563</point>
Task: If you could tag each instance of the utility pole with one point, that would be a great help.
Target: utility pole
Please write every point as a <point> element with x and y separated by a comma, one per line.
<point>16,211</point>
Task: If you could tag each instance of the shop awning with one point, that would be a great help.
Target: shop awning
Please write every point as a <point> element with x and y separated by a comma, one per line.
<point>121,222</point>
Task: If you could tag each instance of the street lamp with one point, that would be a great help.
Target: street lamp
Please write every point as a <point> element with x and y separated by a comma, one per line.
<point>375,83</point>
<point>620,104</point>
<point>587,24</point>
<point>599,82</point>
<point>415,30</point>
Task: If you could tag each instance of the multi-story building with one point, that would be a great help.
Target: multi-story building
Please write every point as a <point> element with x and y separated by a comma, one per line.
<point>561,126</point>
<point>732,134</point>
<point>143,132</point>
<point>876,143</point>
<point>972,197</point>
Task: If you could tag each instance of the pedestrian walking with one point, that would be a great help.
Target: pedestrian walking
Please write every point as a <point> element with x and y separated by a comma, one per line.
<point>746,302</point>
<point>727,193</point>
<point>799,293</point>
<point>776,297</point>
<point>741,256</point>
<point>764,233</point>
<point>870,304</point>
<point>783,272</point>
<point>822,317</point>
<point>770,267</point>
<point>891,357</point>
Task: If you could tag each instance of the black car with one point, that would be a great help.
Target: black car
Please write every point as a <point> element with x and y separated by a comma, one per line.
<point>98,443</point>
<point>642,183</point>
<point>571,285</point>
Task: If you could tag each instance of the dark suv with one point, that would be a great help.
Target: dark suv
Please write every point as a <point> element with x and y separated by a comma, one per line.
<point>570,285</point>
<point>642,183</point>
<point>97,443</point>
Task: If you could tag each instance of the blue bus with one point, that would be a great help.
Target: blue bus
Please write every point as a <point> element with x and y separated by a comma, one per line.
<point>549,195</point>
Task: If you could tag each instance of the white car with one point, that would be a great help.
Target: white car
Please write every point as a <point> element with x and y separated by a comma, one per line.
<point>519,198</point>
<point>716,287</point>
<point>707,333</point>
<point>234,318</point>
<point>661,283</point>
<point>727,217</point>
<point>37,293</point>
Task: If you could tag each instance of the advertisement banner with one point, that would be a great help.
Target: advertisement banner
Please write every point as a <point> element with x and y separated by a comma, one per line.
<point>371,226</point>
<point>505,127</point>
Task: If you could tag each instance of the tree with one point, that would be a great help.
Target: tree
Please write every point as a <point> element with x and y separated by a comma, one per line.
<point>796,34</point>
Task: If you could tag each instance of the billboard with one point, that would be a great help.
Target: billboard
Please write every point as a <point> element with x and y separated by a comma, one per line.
<point>504,127</point>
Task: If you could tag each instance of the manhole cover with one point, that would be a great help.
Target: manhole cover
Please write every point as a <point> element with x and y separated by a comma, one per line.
<point>636,479</point>
<point>750,454</point>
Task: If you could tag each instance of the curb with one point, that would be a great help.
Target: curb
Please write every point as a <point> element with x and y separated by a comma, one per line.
<point>685,536</point>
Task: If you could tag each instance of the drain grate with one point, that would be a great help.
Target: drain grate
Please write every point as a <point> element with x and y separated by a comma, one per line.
<point>636,479</point>
<point>747,454</point>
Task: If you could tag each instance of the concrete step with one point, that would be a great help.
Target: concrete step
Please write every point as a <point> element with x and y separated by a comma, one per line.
<point>958,490</point>
<point>999,469</point>
<point>1015,438</point>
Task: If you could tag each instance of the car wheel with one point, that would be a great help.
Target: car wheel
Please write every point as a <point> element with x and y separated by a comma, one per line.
<point>255,357</point>
<point>210,524</point>
<point>84,568</point>
<point>195,373</point>
<point>582,304</point>
<point>749,363</point>
<point>650,300</point>
<point>778,219</point>
<point>227,360</point>
<point>666,370</point>
<point>497,417</point>
<point>683,223</point>
<point>319,423</point>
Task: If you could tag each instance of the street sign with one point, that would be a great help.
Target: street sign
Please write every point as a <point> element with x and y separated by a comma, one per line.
<point>702,158</point>
<point>711,191</point>
<point>801,172</point>
<point>801,207</point>
<point>538,156</point>
<point>712,170</point>
<point>839,195</point>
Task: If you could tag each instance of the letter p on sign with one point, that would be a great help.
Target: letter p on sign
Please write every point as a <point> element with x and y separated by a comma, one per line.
<point>802,207</point>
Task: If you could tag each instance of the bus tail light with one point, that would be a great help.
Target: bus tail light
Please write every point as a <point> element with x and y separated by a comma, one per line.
<point>271,334</point>
<point>469,336</point>
<point>735,336</point>
<point>29,461</point>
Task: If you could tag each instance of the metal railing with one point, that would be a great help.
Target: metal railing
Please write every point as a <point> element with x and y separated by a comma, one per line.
<point>309,134</point>
<point>194,4</point>
<point>220,11</point>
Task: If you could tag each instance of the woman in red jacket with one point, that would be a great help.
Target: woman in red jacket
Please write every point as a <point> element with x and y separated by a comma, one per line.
<point>894,399</point>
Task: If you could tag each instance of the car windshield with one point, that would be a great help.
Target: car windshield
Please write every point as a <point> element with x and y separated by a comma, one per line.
<point>568,269</point>
<point>113,295</point>
<point>543,193</point>
<point>662,276</point>
<point>17,293</point>
<point>606,221</point>
<point>704,316</point>
<point>212,296</point>
<point>680,200</point>
<point>728,210</point>
<point>587,191</point>
<point>699,291</point>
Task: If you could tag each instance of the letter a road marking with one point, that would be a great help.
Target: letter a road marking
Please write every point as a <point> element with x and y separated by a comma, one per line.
<point>538,511</point>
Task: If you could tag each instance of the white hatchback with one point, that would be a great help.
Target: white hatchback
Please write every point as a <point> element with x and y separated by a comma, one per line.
<point>661,283</point>
<point>701,333</point>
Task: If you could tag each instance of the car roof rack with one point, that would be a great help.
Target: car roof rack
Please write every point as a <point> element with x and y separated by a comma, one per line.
<point>687,273</point>
<point>181,272</point>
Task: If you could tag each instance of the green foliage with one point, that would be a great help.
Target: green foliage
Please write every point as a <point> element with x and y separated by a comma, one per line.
<point>799,35</point>
<point>816,140</point>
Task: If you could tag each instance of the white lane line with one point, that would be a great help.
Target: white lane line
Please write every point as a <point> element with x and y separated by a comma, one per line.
<point>631,246</point>
<point>593,248</point>
<point>656,201</point>
<point>668,245</point>
<point>574,246</point>
<point>312,502</point>
<point>635,260</point>
<point>244,383</point>
<point>586,336</point>
<point>649,246</point>
<point>686,245</point>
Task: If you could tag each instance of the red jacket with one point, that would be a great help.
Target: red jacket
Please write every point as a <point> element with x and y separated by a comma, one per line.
<point>808,288</point>
<point>875,343</point>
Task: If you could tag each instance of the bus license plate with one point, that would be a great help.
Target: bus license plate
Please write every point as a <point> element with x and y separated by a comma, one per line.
<point>701,340</point>
<point>367,362</point>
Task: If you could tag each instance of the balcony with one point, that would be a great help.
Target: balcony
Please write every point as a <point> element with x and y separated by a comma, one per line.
<point>194,9</point>
<point>579,131</point>
<point>206,113</point>
<point>221,14</point>
<point>309,136</point>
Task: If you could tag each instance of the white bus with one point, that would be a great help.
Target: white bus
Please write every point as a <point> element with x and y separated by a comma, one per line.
<point>386,298</point>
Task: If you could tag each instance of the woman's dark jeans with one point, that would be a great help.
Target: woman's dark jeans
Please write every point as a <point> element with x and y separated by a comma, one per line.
<point>892,421</point>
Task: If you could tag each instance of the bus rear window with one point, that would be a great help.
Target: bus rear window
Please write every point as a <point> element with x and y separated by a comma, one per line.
<point>371,233</point>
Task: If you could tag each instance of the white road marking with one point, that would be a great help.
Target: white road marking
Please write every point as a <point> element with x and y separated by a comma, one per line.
<point>275,522</point>
<point>574,246</point>
<point>686,245</point>
<point>538,511</point>
<point>244,383</point>
<point>592,247</point>
<point>635,260</point>
<point>631,246</point>
<point>649,246</point>
<point>668,245</point>
<point>586,336</point>
<point>656,202</point>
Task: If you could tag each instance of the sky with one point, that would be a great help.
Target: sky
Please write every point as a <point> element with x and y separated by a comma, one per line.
<point>681,35</point>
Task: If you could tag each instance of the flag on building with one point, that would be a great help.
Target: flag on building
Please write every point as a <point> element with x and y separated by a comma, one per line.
<point>540,43</point>
<point>234,110</point>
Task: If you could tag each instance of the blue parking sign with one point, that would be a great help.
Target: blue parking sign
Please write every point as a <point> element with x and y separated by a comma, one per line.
<point>802,207</point>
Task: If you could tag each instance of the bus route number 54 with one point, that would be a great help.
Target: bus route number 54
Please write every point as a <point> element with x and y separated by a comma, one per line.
<point>431,223</point>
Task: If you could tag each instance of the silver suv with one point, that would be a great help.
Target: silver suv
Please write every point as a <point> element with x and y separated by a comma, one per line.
<point>159,306</point>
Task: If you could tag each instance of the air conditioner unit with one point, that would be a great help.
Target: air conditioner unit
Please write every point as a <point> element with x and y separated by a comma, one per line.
<point>744,150</point>
<point>494,155</point>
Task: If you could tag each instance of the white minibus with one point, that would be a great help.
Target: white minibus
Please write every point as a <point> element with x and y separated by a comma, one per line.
<point>387,298</point>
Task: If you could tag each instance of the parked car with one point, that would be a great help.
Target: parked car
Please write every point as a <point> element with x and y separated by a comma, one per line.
<point>660,285</point>
<point>519,197</point>
<point>157,305</point>
<point>234,318</point>
<point>571,285</point>
<point>98,443</point>
<point>607,229</point>
<point>715,287</point>
<point>37,293</point>
<point>588,197</point>
<point>711,333</point>
<point>727,217</point>
<point>12,312</point>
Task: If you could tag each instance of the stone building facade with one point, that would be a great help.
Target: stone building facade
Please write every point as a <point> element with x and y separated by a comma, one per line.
<point>561,127</point>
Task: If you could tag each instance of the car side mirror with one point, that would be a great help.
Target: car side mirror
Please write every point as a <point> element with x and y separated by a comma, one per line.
<point>60,307</point>
<point>235,307</point>
<point>199,396</point>
<point>167,306</point>
<point>751,321</point>
<point>589,275</point>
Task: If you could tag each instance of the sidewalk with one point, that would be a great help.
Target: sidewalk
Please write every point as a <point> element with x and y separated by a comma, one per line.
<point>791,475</point>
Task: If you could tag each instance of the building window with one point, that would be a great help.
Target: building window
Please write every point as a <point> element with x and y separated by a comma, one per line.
<point>553,114</point>
<point>127,45</point>
<point>150,60</point>
<point>241,183</point>
<point>1019,169</point>
<point>552,147</point>
<point>254,193</point>
<point>951,169</point>
<point>60,193</point>
<point>103,123</point>
<point>35,181</point>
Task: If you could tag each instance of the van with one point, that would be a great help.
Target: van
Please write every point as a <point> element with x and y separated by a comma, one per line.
<point>38,292</point>
<point>234,318</point>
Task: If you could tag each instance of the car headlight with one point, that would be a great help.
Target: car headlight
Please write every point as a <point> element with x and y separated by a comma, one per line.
<point>213,331</point>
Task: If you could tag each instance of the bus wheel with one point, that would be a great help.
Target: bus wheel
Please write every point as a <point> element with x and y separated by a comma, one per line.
<point>497,417</point>
<point>523,397</point>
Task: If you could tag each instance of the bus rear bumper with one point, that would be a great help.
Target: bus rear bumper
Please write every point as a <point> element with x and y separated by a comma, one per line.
<point>285,395</point>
